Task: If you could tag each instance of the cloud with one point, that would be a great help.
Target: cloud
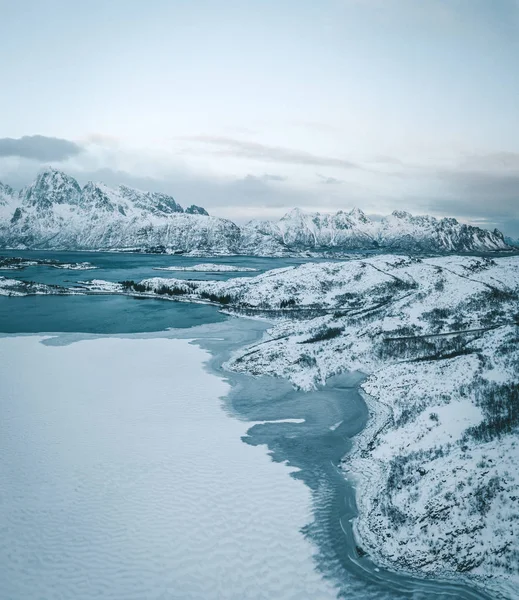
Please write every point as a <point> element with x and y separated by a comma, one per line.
<point>328,180</point>
<point>102,139</point>
<point>484,184</point>
<point>480,195</point>
<point>387,160</point>
<point>482,189</point>
<point>39,148</point>
<point>263,152</point>
<point>265,178</point>
<point>496,161</point>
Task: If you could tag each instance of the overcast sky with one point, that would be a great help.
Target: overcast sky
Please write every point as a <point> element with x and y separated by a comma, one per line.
<point>252,107</point>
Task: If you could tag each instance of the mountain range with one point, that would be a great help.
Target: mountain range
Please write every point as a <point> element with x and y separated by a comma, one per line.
<point>55,212</point>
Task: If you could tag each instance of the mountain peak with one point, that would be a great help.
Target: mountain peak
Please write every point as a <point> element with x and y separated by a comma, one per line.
<point>402,214</point>
<point>6,190</point>
<point>358,215</point>
<point>99,196</point>
<point>196,210</point>
<point>52,187</point>
<point>154,202</point>
<point>49,169</point>
<point>294,213</point>
<point>55,212</point>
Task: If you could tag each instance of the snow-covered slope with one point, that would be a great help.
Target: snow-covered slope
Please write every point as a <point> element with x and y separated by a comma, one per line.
<point>437,469</point>
<point>55,212</point>
<point>314,231</point>
<point>7,202</point>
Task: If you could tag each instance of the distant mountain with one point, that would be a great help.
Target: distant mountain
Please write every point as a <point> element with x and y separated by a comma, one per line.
<point>54,212</point>
<point>400,230</point>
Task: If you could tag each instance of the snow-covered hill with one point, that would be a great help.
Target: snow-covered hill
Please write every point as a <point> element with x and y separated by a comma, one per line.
<point>55,212</point>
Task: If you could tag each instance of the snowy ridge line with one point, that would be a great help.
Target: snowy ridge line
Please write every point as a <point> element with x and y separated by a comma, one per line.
<point>54,212</point>
<point>368,475</point>
<point>458,332</point>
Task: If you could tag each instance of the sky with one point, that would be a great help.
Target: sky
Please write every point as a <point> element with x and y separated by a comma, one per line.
<point>250,108</point>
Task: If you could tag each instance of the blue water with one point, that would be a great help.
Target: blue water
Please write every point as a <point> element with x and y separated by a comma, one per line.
<point>110,314</point>
<point>100,314</point>
<point>114,314</point>
<point>112,266</point>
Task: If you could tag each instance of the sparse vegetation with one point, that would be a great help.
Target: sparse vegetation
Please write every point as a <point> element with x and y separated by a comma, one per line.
<point>484,495</point>
<point>219,298</point>
<point>327,333</point>
<point>173,290</point>
<point>288,303</point>
<point>500,403</point>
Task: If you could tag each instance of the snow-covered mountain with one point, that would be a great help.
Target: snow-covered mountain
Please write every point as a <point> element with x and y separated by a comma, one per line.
<point>400,230</point>
<point>7,199</point>
<point>55,212</point>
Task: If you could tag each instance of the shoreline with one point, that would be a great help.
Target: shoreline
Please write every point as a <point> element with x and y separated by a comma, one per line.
<point>367,472</point>
<point>327,521</point>
<point>372,566</point>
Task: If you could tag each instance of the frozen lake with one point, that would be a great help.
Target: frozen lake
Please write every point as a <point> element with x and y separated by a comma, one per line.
<point>123,477</point>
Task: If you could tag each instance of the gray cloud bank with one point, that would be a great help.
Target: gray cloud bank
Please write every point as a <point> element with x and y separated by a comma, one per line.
<point>39,148</point>
<point>277,154</point>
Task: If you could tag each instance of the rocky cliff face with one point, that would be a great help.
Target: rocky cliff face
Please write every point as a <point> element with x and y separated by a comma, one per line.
<point>55,212</point>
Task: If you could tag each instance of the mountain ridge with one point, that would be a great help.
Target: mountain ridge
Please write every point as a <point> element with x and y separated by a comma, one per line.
<point>55,212</point>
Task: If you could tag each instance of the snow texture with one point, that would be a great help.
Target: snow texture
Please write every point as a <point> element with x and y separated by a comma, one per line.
<point>124,479</point>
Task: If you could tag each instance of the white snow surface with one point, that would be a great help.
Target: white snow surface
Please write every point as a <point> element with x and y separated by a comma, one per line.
<point>354,230</point>
<point>82,266</point>
<point>16,287</point>
<point>55,212</point>
<point>123,478</point>
<point>17,263</point>
<point>207,268</point>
